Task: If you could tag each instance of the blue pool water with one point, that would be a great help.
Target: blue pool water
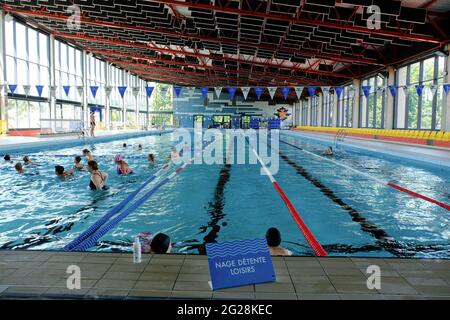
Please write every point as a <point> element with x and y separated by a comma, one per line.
<point>348,213</point>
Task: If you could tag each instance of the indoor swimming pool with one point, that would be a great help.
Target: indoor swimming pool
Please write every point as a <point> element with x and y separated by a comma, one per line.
<point>349,213</point>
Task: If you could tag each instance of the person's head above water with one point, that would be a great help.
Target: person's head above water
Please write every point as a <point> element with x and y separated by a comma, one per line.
<point>140,146</point>
<point>59,170</point>
<point>7,157</point>
<point>18,167</point>
<point>273,237</point>
<point>77,159</point>
<point>124,145</point>
<point>93,165</point>
<point>86,151</point>
<point>151,157</point>
<point>161,243</point>
<point>26,159</point>
<point>118,158</point>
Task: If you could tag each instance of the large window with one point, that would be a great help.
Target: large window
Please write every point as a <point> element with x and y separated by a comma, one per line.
<point>68,71</point>
<point>26,114</point>
<point>96,76</point>
<point>304,117</point>
<point>372,107</point>
<point>327,110</point>
<point>314,110</point>
<point>345,107</point>
<point>414,111</point>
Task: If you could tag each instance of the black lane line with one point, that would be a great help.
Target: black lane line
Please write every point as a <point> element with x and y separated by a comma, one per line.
<point>381,236</point>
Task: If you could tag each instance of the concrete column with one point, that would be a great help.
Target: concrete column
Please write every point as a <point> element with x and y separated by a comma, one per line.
<point>445,126</point>
<point>52,81</point>
<point>308,117</point>
<point>4,90</point>
<point>356,103</point>
<point>320,110</point>
<point>107,99</point>
<point>334,119</point>
<point>390,101</point>
<point>85,90</point>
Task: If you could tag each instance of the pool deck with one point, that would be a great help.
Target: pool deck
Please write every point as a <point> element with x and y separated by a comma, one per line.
<point>42,275</point>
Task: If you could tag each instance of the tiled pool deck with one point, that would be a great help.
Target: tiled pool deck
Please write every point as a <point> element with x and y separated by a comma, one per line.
<point>42,274</point>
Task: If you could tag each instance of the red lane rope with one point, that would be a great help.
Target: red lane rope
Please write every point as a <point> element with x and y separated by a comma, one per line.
<point>312,241</point>
<point>418,195</point>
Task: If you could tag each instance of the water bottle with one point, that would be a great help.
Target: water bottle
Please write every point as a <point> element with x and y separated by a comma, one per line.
<point>137,250</point>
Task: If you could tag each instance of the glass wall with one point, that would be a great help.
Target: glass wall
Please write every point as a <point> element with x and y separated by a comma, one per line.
<point>372,107</point>
<point>327,108</point>
<point>314,111</point>
<point>96,76</point>
<point>345,107</point>
<point>68,71</point>
<point>304,117</point>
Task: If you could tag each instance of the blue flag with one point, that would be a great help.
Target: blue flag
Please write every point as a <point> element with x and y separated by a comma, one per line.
<point>339,91</point>
<point>259,92</point>
<point>312,90</point>
<point>39,89</point>
<point>66,89</point>
<point>447,88</point>
<point>122,90</point>
<point>285,91</point>
<point>13,88</point>
<point>204,91</point>
<point>177,90</point>
<point>94,90</point>
<point>393,90</point>
<point>366,90</point>
<point>419,89</point>
<point>149,91</point>
<point>232,91</point>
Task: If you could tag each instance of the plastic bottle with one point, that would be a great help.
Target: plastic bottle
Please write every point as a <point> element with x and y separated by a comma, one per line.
<point>137,250</point>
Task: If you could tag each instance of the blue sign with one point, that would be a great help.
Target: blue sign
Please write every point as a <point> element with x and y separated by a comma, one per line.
<point>239,263</point>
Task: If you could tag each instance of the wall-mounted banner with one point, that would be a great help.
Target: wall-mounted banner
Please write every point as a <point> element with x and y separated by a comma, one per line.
<point>122,90</point>
<point>366,90</point>
<point>108,90</point>
<point>191,91</point>
<point>433,89</point>
<point>258,91</point>
<point>136,91</point>
<point>66,90</point>
<point>80,90</point>
<point>393,90</point>
<point>272,91</point>
<point>94,90</point>
<point>446,88</point>
<point>204,91</point>
<point>218,90</point>
<point>40,88</point>
<point>312,90</point>
<point>149,91</point>
<point>419,89</point>
<point>339,91</point>
<point>245,91</point>
<point>239,263</point>
<point>27,89</point>
<point>298,91</point>
<point>12,88</point>
<point>177,90</point>
<point>232,92</point>
<point>285,91</point>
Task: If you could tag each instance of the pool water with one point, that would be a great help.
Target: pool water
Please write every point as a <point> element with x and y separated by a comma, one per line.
<point>349,214</point>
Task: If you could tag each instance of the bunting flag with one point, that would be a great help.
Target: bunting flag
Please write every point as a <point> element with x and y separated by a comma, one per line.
<point>108,90</point>
<point>285,91</point>
<point>366,90</point>
<point>12,88</point>
<point>446,88</point>
<point>191,91</point>
<point>381,89</point>
<point>245,91</point>
<point>94,90</point>
<point>405,89</point>
<point>419,89</point>
<point>393,90</point>
<point>177,90</point>
<point>339,91</point>
<point>136,91</point>
<point>312,90</point>
<point>122,90</point>
<point>39,90</point>
<point>26,89</point>
<point>218,90</point>
<point>325,89</point>
<point>232,92</point>
<point>52,90</point>
<point>258,91</point>
<point>149,91</point>
<point>80,90</point>
<point>433,90</point>
<point>272,91</point>
<point>163,91</point>
<point>204,91</point>
<point>66,90</point>
<point>298,91</point>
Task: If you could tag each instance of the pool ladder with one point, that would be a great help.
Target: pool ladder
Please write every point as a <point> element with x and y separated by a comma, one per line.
<point>340,136</point>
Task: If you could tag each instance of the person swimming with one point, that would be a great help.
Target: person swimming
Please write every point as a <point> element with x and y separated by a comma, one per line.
<point>19,168</point>
<point>88,155</point>
<point>174,154</point>
<point>273,238</point>
<point>122,166</point>
<point>140,147</point>
<point>98,178</point>
<point>151,158</point>
<point>26,160</point>
<point>124,145</point>
<point>77,161</point>
<point>329,151</point>
<point>7,158</point>
<point>161,244</point>
<point>59,170</point>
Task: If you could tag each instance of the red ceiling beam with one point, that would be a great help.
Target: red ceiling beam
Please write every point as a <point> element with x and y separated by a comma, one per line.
<point>283,17</point>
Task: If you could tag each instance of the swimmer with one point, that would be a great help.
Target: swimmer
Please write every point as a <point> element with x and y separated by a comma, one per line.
<point>122,166</point>
<point>88,155</point>
<point>7,158</point>
<point>140,147</point>
<point>151,158</point>
<point>124,145</point>
<point>174,154</point>
<point>26,160</point>
<point>19,168</point>
<point>77,161</point>
<point>98,178</point>
<point>329,151</point>
<point>59,170</point>
<point>273,238</point>
<point>161,244</point>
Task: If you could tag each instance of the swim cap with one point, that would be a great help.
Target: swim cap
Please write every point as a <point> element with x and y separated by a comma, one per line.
<point>118,158</point>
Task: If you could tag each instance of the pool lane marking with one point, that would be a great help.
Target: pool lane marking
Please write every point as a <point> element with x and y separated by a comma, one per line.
<point>312,241</point>
<point>397,187</point>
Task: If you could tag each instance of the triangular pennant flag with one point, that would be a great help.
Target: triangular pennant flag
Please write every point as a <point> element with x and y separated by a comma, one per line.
<point>26,89</point>
<point>39,89</point>
<point>52,90</point>
<point>163,91</point>
<point>94,90</point>
<point>285,91</point>
<point>232,92</point>
<point>272,91</point>
<point>108,91</point>
<point>419,89</point>
<point>446,88</point>
<point>366,90</point>
<point>66,90</point>
<point>204,91</point>
<point>218,90</point>
<point>298,91</point>
<point>433,90</point>
<point>406,89</point>
<point>258,91</point>
<point>149,91</point>
<point>12,88</point>
<point>312,90</point>
<point>339,91</point>
<point>245,91</point>
<point>122,90</point>
<point>191,91</point>
<point>325,89</point>
<point>393,90</point>
<point>80,90</point>
<point>177,90</point>
<point>136,91</point>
